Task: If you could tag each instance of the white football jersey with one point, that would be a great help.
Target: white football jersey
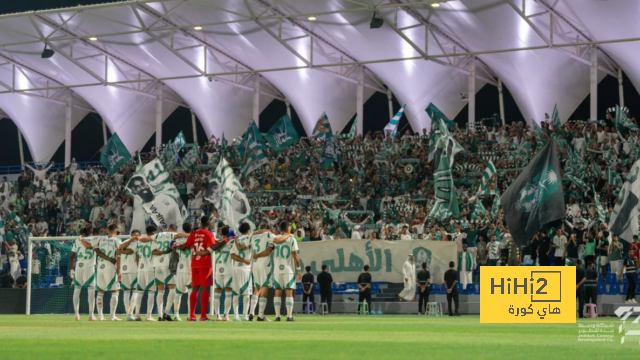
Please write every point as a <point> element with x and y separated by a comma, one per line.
<point>244,254</point>
<point>260,243</point>
<point>184,265</point>
<point>128,261</point>
<point>283,259</point>
<point>85,257</point>
<point>223,259</point>
<point>145,259</point>
<point>109,246</point>
<point>161,242</point>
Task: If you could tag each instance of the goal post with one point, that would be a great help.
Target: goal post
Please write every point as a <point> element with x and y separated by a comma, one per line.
<point>49,285</point>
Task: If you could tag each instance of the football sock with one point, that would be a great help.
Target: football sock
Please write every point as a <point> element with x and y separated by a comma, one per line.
<point>92,301</point>
<point>193,298</point>
<point>160,302</point>
<point>170,298</point>
<point>100,305</point>
<point>236,305</point>
<point>138,295</point>
<point>216,303</point>
<point>253,304</point>
<point>277,304</point>
<point>114,304</point>
<point>289,304</point>
<point>76,299</point>
<point>262,302</point>
<point>150,298</point>
<point>227,302</point>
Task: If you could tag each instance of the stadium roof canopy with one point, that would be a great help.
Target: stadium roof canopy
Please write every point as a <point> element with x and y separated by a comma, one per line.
<point>210,55</point>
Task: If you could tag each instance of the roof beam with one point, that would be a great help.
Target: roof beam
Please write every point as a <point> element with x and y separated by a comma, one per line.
<point>549,40</point>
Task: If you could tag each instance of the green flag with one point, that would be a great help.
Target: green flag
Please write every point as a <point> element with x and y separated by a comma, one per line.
<point>191,157</point>
<point>170,153</point>
<point>354,129</point>
<point>440,136</point>
<point>539,133</point>
<point>114,154</point>
<point>624,218</point>
<point>252,150</point>
<point>536,196</point>
<point>601,213</point>
<point>223,142</point>
<point>392,126</point>
<point>282,134</point>
<point>478,210</point>
<point>488,183</point>
<point>435,114</point>
<point>555,118</point>
<point>226,194</point>
<point>613,178</point>
<point>495,207</point>
<point>322,128</point>
<point>330,152</point>
<point>621,119</point>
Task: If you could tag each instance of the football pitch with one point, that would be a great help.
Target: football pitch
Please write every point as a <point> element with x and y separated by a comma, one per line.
<point>310,337</point>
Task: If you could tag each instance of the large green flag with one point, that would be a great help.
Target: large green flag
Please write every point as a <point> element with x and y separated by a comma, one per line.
<point>537,131</point>
<point>252,150</point>
<point>330,152</point>
<point>601,213</point>
<point>536,197</point>
<point>322,128</point>
<point>624,219</point>
<point>446,203</point>
<point>114,154</point>
<point>435,114</point>
<point>282,134</point>
<point>226,194</point>
<point>575,168</point>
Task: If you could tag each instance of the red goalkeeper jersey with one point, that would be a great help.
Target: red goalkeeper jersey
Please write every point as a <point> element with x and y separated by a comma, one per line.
<point>201,239</point>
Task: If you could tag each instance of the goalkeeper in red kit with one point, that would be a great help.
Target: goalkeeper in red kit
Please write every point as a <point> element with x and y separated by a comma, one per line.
<point>203,244</point>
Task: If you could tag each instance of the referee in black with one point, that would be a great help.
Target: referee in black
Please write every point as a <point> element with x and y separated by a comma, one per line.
<point>307,288</point>
<point>581,277</point>
<point>451,280</point>
<point>591,284</point>
<point>424,278</point>
<point>326,284</point>
<point>364,287</point>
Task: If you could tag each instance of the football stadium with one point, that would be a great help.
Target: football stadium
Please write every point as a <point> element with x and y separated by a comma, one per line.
<point>369,178</point>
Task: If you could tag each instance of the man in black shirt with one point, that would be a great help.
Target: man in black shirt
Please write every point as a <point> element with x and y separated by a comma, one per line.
<point>6,280</point>
<point>591,284</point>
<point>451,280</point>
<point>630,268</point>
<point>602,251</point>
<point>544,247</point>
<point>423,281</point>
<point>307,288</point>
<point>326,284</point>
<point>581,277</point>
<point>571,251</point>
<point>364,287</point>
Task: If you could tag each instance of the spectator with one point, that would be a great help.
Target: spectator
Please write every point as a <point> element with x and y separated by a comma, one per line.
<point>559,245</point>
<point>325,281</point>
<point>364,288</point>
<point>451,280</point>
<point>615,257</point>
<point>6,280</point>
<point>307,288</point>
<point>424,280</point>
<point>21,282</point>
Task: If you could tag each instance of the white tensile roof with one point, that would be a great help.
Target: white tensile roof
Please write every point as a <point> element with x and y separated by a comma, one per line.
<point>207,55</point>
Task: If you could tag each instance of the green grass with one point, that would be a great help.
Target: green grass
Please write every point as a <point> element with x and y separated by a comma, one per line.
<point>311,337</point>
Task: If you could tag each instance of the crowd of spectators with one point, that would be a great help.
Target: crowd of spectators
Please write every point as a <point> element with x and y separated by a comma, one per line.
<point>380,189</point>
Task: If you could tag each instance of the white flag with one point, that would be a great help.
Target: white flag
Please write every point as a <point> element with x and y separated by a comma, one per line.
<point>226,194</point>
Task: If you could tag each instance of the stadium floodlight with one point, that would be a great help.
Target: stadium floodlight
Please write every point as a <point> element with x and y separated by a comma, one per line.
<point>376,23</point>
<point>197,28</point>
<point>47,53</point>
<point>312,18</point>
<point>435,5</point>
<point>93,38</point>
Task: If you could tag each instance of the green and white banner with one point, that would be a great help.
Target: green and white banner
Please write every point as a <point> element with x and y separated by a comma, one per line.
<point>191,157</point>
<point>226,194</point>
<point>114,154</point>
<point>354,129</point>
<point>160,198</point>
<point>171,152</point>
<point>330,153</point>
<point>392,126</point>
<point>345,258</point>
<point>282,134</point>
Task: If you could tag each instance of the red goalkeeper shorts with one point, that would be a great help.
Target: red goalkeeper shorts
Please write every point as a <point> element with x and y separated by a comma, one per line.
<point>202,276</point>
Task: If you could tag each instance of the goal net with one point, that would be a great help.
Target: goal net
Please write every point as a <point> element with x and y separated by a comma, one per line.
<point>51,288</point>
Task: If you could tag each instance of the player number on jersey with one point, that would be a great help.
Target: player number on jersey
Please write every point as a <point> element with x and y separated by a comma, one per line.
<point>283,252</point>
<point>146,251</point>
<point>224,254</point>
<point>257,246</point>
